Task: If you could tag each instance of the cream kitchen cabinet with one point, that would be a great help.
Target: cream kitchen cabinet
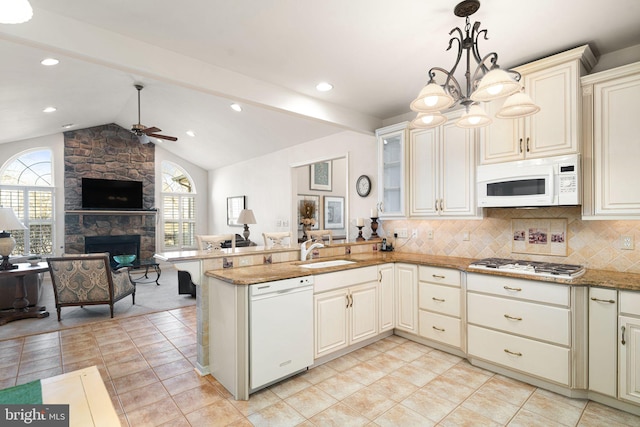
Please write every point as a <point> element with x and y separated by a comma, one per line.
<point>392,173</point>
<point>386,297</point>
<point>346,309</point>
<point>517,323</point>
<point>407,297</point>
<point>611,149</point>
<point>440,305</point>
<point>629,347</point>
<point>554,85</point>
<point>442,171</point>
<point>603,360</point>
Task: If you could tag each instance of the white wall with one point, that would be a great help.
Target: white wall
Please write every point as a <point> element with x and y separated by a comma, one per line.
<point>267,182</point>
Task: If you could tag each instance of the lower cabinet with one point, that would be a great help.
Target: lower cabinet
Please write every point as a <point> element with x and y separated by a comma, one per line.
<point>629,347</point>
<point>440,305</point>
<point>603,341</point>
<point>386,297</point>
<point>407,297</point>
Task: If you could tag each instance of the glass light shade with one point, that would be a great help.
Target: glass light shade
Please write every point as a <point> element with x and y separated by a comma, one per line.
<point>432,98</point>
<point>246,217</point>
<point>15,11</point>
<point>497,83</point>
<point>475,117</point>
<point>517,105</point>
<point>428,120</point>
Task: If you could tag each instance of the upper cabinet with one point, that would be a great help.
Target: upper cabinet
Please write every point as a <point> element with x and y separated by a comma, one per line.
<point>611,144</point>
<point>392,170</point>
<point>554,84</point>
<point>442,171</point>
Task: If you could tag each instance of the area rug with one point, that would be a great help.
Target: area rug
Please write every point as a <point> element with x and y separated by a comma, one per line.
<point>150,298</point>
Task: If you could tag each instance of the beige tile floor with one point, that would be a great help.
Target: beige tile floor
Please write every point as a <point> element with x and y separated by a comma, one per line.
<point>147,363</point>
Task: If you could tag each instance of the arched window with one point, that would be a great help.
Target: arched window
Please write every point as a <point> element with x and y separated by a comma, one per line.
<point>178,208</point>
<point>26,185</point>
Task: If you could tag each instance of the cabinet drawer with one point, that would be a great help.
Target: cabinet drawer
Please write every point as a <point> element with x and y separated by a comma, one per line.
<point>519,317</point>
<point>440,328</point>
<point>630,303</point>
<point>441,299</point>
<point>531,290</point>
<point>341,279</point>
<point>443,276</point>
<point>532,357</point>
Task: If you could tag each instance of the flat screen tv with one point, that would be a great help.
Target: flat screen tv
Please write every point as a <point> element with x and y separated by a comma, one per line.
<point>111,194</point>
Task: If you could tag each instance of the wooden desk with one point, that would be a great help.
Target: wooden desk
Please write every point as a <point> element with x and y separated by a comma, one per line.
<point>21,309</point>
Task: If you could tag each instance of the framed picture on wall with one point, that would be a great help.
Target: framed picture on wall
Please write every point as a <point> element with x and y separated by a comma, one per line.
<point>309,211</point>
<point>320,178</point>
<point>234,206</point>
<point>333,212</point>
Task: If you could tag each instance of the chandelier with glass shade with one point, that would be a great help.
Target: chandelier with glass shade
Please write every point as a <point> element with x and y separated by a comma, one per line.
<point>488,82</point>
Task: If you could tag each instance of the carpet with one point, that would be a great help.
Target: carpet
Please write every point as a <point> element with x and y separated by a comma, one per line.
<point>150,298</point>
<point>29,393</point>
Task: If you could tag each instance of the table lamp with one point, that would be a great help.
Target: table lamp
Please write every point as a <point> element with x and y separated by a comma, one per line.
<point>8,221</point>
<point>246,217</point>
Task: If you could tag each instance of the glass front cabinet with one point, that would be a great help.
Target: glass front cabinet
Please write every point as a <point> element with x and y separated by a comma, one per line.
<point>391,170</point>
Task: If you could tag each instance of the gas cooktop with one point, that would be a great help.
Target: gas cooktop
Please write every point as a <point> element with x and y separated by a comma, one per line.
<point>536,268</point>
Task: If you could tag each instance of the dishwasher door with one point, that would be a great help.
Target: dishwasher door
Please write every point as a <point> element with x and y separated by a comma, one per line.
<point>280,329</point>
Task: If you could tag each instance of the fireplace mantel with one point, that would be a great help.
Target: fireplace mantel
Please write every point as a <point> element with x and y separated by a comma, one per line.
<point>111,212</point>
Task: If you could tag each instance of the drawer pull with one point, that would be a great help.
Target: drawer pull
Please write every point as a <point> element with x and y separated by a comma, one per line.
<point>437,276</point>
<point>610,301</point>
<point>438,329</point>
<point>512,289</point>
<point>623,342</point>
<point>512,318</point>
<point>515,353</point>
<point>437,299</point>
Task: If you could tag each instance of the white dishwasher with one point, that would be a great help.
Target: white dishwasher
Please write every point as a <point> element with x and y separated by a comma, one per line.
<point>280,329</point>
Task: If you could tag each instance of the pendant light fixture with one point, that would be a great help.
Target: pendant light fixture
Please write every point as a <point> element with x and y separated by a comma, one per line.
<point>488,82</point>
<point>15,11</point>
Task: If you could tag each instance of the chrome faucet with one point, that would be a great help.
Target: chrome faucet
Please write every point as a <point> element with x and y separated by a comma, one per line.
<point>304,251</point>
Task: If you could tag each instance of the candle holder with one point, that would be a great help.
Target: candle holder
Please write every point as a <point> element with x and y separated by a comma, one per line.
<point>360,238</point>
<point>374,228</point>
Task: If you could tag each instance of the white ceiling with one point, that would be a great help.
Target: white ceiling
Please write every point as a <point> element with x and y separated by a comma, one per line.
<point>196,57</point>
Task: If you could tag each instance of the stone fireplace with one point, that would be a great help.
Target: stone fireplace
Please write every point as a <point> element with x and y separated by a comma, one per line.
<point>108,152</point>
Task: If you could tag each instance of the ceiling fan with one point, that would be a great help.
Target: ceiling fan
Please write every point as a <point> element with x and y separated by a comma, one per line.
<point>141,131</point>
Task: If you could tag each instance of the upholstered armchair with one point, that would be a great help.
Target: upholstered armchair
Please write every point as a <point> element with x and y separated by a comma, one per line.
<point>80,280</point>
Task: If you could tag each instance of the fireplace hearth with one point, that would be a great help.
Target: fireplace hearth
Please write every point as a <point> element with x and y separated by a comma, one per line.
<point>115,245</point>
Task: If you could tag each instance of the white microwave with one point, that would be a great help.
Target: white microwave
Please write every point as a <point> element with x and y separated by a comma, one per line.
<point>549,181</point>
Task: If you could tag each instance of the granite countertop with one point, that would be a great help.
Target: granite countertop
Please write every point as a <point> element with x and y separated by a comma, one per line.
<point>270,272</point>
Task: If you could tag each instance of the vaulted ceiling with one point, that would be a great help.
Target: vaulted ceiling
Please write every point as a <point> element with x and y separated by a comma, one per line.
<point>196,57</point>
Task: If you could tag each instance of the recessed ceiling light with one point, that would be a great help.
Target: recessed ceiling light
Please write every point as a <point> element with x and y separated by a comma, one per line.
<point>324,87</point>
<point>236,107</point>
<point>49,110</point>
<point>15,12</point>
<point>67,126</point>
<point>191,133</point>
<point>49,62</point>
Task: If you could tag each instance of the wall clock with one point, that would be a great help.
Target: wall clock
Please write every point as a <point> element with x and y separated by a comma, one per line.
<point>363,186</point>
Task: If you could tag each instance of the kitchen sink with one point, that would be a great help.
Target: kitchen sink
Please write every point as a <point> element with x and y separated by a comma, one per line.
<point>325,264</point>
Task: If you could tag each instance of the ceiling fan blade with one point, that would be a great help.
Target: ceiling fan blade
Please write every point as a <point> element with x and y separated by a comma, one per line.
<point>169,138</point>
<point>151,130</point>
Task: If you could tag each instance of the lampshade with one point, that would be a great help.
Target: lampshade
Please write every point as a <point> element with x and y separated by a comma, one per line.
<point>432,98</point>
<point>428,120</point>
<point>9,220</point>
<point>474,117</point>
<point>497,83</point>
<point>15,11</point>
<point>246,217</point>
<point>517,105</point>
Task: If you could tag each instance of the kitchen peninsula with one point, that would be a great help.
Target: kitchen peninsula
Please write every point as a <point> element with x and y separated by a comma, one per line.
<point>411,283</point>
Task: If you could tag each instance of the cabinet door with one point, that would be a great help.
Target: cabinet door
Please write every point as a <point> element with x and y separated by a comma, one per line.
<point>603,363</point>
<point>391,171</point>
<point>629,363</point>
<point>423,171</point>
<point>330,321</point>
<point>364,312</point>
<point>501,140</point>
<point>616,127</point>
<point>457,172</point>
<point>407,297</point>
<point>386,297</point>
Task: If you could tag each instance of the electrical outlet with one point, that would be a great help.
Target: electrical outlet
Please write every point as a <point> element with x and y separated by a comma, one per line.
<point>465,235</point>
<point>401,232</point>
<point>414,233</point>
<point>278,223</point>
<point>285,223</point>
<point>626,242</point>
<point>430,234</point>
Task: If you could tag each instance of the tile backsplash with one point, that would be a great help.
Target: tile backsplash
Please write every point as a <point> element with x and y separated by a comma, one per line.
<point>594,244</point>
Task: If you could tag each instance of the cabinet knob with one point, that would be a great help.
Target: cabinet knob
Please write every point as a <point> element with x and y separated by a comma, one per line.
<point>527,144</point>
<point>512,289</point>
<point>520,146</point>
<point>438,329</point>
<point>610,301</point>
<point>623,342</point>
<point>515,353</point>
<point>437,299</point>
<point>512,318</point>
